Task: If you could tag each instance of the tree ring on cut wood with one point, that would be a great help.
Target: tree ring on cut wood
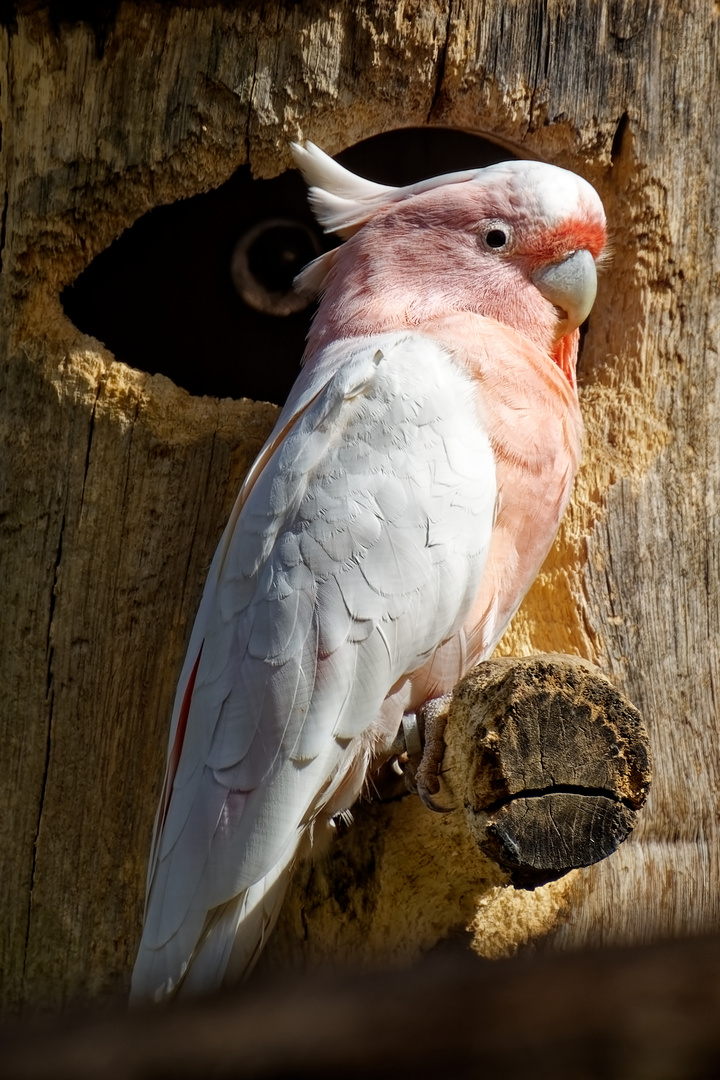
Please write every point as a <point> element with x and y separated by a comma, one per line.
<point>550,763</point>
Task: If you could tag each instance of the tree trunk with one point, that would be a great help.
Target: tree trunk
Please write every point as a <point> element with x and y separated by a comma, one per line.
<point>611,1014</point>
<point>117,483</point>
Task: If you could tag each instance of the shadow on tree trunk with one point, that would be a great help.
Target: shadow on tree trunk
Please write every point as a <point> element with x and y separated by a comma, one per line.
<point>647,1013</point>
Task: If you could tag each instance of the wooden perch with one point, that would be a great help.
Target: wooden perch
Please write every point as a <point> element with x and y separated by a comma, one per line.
<point>548,761</point>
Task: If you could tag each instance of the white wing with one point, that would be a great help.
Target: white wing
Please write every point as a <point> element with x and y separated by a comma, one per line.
<point>356,548</point>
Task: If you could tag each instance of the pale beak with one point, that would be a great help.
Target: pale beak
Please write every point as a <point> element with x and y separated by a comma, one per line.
<point>570,285</point>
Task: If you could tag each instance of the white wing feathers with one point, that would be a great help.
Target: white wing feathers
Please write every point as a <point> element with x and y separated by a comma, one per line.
<point>356,548</point>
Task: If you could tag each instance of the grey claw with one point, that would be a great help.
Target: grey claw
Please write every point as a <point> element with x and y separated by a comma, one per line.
<point>421,737</point>
<point>428,801</point>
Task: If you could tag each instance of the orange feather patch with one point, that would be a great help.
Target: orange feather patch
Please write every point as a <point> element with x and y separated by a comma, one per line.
<point>574,235</point>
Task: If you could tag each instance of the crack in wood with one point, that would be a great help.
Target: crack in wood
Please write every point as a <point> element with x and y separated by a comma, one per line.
<point>133,422</point>
<point>3,228</point>
<point>442,58</point>
<point>251,93</point>
<point>50,698</point>
<point>555,789</point>
<point>618,138</point>
<point>91,429</point>
<point>48,646</point>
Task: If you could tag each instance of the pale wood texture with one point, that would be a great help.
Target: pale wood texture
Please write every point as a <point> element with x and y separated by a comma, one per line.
<point>116,484</point>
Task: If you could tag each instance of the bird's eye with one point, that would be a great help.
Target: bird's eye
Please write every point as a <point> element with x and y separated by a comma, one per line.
<point>496,238</point>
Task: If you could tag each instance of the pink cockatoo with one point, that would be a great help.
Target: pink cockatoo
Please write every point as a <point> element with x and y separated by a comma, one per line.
<point>383,538</point>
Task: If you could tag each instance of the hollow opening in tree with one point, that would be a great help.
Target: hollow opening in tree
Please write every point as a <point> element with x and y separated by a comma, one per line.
<point>201,290</point>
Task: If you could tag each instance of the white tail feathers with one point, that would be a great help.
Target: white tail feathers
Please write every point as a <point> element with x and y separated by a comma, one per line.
<point>227,949</point>
<point>236,935</point>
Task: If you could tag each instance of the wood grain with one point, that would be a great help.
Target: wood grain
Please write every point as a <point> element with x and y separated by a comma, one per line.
<point>549,763</point>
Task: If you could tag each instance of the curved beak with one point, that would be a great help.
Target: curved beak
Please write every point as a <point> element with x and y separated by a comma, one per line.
<point>570,285</point>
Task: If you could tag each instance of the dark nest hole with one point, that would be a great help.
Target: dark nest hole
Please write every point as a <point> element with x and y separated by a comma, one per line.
<point>201,290</point>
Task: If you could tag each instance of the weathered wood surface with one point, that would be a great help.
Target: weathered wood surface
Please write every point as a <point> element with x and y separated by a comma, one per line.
<point>647,1013</point>
<point>549,763</point>
<point>116,484</point>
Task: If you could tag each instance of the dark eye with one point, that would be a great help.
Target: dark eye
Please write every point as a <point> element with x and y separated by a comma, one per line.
<point>496,238</point>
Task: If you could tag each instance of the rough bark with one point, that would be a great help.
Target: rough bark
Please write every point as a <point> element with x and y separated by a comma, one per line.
<point>116,483</point>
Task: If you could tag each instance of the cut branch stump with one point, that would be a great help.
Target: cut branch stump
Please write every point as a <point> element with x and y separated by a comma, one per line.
<point>549,763</point>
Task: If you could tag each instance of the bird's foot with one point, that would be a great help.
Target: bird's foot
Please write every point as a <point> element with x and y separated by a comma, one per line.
<point>423,748</point>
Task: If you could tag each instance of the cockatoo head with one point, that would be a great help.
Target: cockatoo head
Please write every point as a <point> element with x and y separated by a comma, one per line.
<point>517,242</point>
